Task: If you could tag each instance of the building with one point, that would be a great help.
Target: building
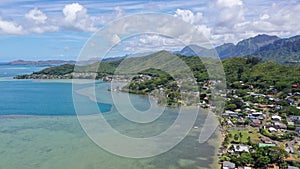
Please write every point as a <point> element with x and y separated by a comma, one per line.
<point>292,167</point>
<point>272,166</point>
<point>257,114</point>
<point>277,118</point>
<point>279,125</point>
<point>245,167</point>
<point>228,165</point>
<point>272,129</point>
<point>297,130</point>
<point>241,148</point>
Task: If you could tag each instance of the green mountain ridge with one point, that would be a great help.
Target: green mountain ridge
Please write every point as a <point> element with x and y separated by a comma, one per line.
<point>250,70</point>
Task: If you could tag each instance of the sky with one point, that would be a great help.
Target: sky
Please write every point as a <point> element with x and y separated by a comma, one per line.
<point>58,29</point>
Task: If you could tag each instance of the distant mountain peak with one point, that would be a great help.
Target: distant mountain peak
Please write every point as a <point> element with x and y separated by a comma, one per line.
<point>267,47</point>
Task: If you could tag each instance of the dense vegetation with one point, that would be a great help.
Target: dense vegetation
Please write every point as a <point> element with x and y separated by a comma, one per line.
<point>240,73</point>
<point>261,157</point>
<point>57,70</point>
<point>249,70</point>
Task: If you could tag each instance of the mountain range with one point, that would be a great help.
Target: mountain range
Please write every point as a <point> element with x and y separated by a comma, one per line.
<point>266,47</point>
<point>41,62</point>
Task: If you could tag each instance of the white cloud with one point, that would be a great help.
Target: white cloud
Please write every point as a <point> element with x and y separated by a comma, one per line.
<point>194,19</point>
<point>9,27</point>
<point>39,22</point>
<point>147,43</point>
<point>283,22</point>
<point>229,3</point>
<point>229,12</point>
<point>76,17</point>
<point>189,16</point>
<point>37,16</point>
<point>205,30</point>
<point>44,28</point>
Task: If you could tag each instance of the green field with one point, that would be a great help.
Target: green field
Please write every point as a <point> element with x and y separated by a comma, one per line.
<point>254,136</point>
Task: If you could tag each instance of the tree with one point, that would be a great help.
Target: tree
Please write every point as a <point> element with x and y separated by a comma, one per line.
<point>249,140</point>
<point>225,158</point>
<point>246,158</point>
<point>277,154</point>
<point>241,136</point>
<point>236,137</point>
<point>231,107</point>
<point>262,161</point>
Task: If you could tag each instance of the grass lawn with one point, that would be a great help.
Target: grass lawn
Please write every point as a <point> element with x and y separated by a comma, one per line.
<point>254,136</point>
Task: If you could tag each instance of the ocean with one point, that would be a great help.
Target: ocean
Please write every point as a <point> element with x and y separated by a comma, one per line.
<point>39,129</point>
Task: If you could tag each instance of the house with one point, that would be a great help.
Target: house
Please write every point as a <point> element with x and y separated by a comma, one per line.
<point>277,118</point>
<point>263,106</point>
<point>278,107</point>
<point>272,129</point>
<point>229,122</point>
<point>257,114</point>
<point>295,86</point>
<point>240,148</point>
<point>294,118</point>
<point>297,130</point>
<point>230,113</point>
<point>267,141</point>
<point>297,94</point>
<point>228,165</point>
<point>272,166</point>
<point>291,123</point>
<point>290,101</point>
<point>255,123</point>
<point>279,125</point>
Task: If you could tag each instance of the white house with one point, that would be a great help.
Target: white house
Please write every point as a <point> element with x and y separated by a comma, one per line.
<point>272,129</point>
<point>240,148</point>
<point>275,117</point>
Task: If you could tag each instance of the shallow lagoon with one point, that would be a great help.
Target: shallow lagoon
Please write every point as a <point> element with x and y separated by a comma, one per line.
<point>53,137</point>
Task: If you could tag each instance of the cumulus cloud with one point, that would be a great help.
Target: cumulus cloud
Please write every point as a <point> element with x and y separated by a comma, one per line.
<point>148,43</point>
<point>36,15</point>
<point>9,27</point>
<point>38,22</point>
<point>283,22</point>
<point>236,20</point>
<point>229,12</point>
<point>76,17</point>
<point>189,16</point>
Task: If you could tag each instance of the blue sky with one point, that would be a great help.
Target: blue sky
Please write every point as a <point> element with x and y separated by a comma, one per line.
<point>58,29</point>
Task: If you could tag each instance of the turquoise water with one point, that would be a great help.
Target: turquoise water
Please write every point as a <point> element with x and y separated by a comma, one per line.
<point>10,71</point>
<point>39,130</point>
<point>26,97</point>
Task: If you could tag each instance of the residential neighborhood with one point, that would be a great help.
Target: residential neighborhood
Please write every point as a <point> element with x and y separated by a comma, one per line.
<point>259,126</point>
